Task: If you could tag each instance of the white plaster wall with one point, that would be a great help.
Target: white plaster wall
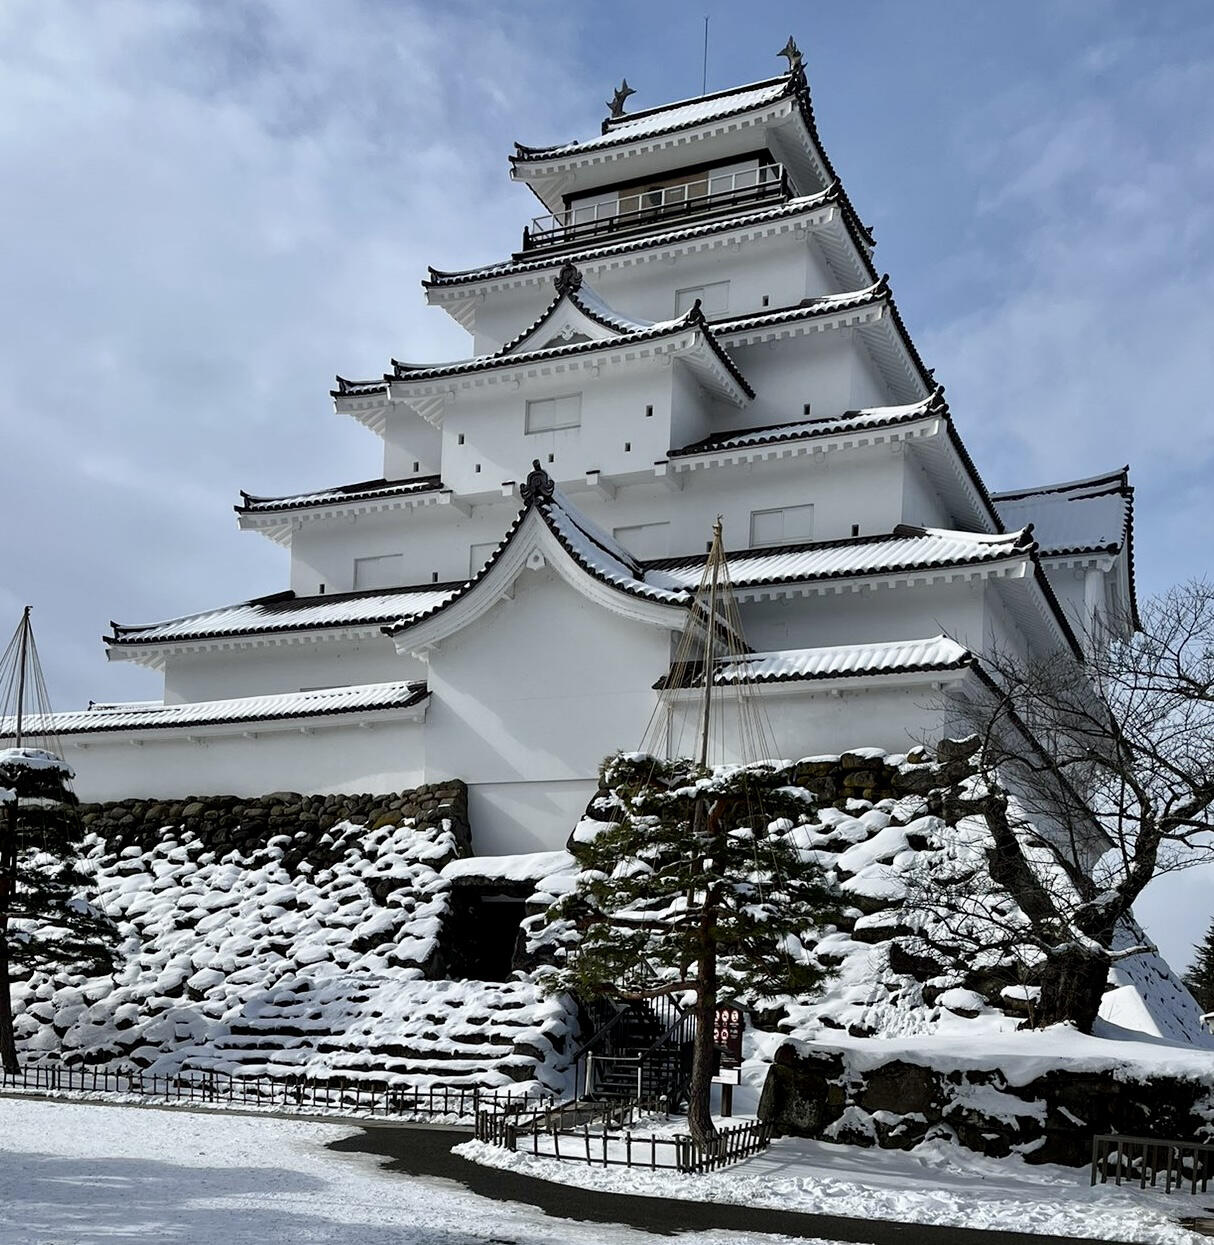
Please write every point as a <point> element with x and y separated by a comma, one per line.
<point>784,268</point>
<point>807,720</point>
<point>540,688</point>
<point>868,615</point>
<point>845,488</point>
<point>831,370</point>
<point>511,817</point>
<point>411,445</point>
<point>386,757</point>
<point>285,667</point>
<point>921,505</point>
<point>493,422</point>
<point>434,540</point>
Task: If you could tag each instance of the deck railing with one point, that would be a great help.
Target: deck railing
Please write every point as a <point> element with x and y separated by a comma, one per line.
<point>291,1093</point>
<point>706,193</point>
<point>1145,1159</point>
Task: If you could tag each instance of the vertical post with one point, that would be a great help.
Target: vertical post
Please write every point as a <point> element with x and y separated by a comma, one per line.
<point>22,650</point>
<point>727,1101</point>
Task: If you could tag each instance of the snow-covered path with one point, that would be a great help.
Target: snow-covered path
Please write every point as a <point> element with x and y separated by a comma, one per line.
<point>74,1174</point>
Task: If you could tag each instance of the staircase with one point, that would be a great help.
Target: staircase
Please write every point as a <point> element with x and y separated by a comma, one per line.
<point>640,1051</point>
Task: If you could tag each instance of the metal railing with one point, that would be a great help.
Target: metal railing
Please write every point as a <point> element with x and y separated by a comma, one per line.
<point>290,1093</point>
<point>705,193</point>
<point>1144,1159</point>
<point>610,1147</point>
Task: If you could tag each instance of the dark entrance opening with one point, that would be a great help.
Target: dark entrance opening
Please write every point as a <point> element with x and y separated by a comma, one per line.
<point>481,932</point>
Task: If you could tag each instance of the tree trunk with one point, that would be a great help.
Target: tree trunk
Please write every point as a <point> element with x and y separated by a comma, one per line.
<point>8,1045</point>
<point>699,1095</point>
<point>1072,985</point>
<point>8,886</point>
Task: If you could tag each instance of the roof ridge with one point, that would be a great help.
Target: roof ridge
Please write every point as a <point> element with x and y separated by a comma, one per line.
<point>1121,477</point>
<point>613,123</point>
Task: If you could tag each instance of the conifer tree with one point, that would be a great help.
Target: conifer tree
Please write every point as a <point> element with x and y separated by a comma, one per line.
<point>45,920</point>
<point>697,874</point>
<point>1200,977</point>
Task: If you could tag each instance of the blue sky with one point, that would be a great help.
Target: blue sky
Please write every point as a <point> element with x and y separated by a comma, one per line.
<point>212,206</point>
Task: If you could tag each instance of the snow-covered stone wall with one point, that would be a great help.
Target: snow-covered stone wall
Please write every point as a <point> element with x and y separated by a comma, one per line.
<point>287,935</point>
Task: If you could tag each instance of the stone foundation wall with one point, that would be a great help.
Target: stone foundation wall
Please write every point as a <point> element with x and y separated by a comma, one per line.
<point>245,823</point>
<point>1050,1117</point>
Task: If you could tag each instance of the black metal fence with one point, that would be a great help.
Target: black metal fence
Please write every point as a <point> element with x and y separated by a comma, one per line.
<point>291,1093</point>
<point>1145,1159</point>
<point>542,1135</point>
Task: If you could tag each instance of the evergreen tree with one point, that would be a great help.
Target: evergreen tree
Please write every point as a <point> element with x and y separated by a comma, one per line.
<point>697,874</point>
<point>45,920</point>
<point>1200,977</point>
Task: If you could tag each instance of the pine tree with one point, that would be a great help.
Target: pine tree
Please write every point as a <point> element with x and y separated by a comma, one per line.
<point>697,874</point>
<point>1200,977</point>
<point>45,920</point>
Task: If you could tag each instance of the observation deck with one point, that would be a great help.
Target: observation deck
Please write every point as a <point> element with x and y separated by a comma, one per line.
<point>701,195</point>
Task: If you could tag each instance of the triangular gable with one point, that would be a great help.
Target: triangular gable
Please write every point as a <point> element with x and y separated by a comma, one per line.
<point>576,314</point>
<point>549,532</point>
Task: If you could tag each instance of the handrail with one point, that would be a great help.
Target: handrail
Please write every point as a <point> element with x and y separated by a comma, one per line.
<point>766,181</point>
<point>599,1033</point>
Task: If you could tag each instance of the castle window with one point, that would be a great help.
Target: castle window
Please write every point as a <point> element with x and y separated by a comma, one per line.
<point>784,526</point>
<point>386,571</point>
<point>714,298</point>
<point>549,414</point>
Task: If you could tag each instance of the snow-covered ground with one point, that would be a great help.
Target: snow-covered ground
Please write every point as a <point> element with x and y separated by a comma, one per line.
<point>72,1174</point>
<point>937,1184</point>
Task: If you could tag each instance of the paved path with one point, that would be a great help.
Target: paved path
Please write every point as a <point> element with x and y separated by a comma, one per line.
<point>427,1152</point>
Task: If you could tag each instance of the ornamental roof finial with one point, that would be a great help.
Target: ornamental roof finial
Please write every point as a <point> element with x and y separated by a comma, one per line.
<point>538,486</point>
<point>569,279</point>
<point>622,92</point>
<point>796,62</point>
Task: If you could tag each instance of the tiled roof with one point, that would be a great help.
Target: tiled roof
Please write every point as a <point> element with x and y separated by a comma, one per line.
<point>793,207</point>
<point>363,491</point>
<point>1076,517</point>
<point>937,653</point>
<point>481,363</point>
<point>146,715</point>
<point>773,434</point>
<point>905,549</point>
<point>669,117</point>
<point>287,612</point>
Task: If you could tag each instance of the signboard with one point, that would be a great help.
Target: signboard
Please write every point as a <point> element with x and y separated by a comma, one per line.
<point>728,1076</point>
<point>727,1026</point>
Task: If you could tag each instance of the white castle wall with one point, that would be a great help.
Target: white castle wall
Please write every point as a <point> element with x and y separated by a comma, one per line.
<point>314,756</point>
<point>223,674</point>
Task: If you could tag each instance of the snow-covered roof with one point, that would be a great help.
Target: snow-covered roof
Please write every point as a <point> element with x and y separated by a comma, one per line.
<point>680,115</point>
<point>363,491</point>
<point>1075,517</point>
<point>150,715</point>
<point>285,611</point>
<point>625,331</point>
<point>773,434</point>
<point>905,549</point>
<point>801,205</point>
<point>937,653</point>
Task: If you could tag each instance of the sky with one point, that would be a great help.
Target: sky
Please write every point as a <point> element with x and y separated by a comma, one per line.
<point>210,207</point>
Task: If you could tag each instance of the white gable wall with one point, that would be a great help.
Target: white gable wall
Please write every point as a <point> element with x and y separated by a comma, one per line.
<point>538,691</point>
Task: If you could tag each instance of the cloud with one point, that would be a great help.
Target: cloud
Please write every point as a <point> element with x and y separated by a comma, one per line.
<point>219,205</point>
<point>1095,348</point>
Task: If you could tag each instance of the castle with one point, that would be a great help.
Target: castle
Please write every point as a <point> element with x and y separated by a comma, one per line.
<point>692,327</point>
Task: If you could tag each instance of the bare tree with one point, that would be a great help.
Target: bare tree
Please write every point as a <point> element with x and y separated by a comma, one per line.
<point>1094,777</point>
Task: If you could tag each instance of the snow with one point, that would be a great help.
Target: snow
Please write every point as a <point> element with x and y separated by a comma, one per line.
<point>935,652</point>
<point>15,759</point>
<point>96,1175</point>
<point>1085,514</point>
<point>526,867</point>
<point>935,1183</point>
<point>259,961</point>
<point>153,714</point>
<point>672,116</point>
